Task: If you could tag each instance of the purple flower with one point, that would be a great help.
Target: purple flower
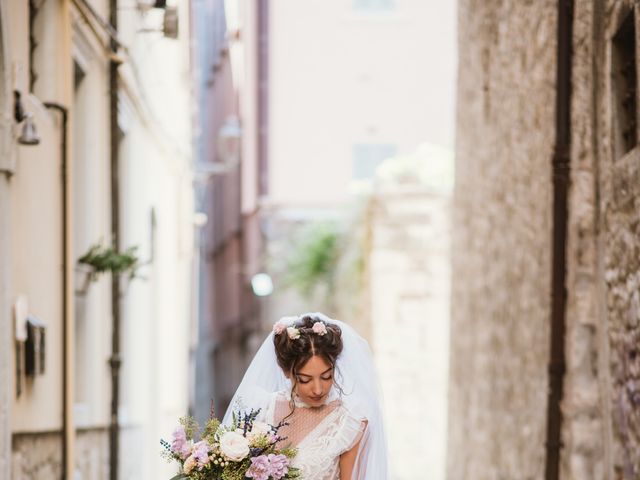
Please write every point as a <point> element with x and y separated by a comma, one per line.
<point>279,465</point>
<point>259,469</point>
<point>180,446</point>
<point>201,453</point>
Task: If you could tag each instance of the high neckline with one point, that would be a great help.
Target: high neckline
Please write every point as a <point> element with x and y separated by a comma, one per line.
<point>299,403</point>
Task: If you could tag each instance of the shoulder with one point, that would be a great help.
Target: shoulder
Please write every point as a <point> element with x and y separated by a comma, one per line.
<point>352,428</point>
<point>350,414</point>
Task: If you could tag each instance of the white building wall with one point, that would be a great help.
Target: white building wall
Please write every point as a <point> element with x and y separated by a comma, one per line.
<point>350,80</point>
<point>343,75</point>
<point>157,216</point>
<point>155,155</point>
<point>35,233</point>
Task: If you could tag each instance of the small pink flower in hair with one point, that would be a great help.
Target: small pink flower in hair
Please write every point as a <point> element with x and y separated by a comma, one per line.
<point>293,333</point>
<point>279,327</point>
<point>319,328</point>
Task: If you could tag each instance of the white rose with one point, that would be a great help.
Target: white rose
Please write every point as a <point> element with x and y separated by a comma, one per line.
<point>234,446</point>
<point>259,429</point>
<point>293,333</point>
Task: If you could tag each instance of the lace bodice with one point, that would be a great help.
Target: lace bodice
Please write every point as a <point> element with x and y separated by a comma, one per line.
<point>321,434</point>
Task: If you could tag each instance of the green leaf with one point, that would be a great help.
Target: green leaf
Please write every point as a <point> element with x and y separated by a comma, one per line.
<point>179,476</point>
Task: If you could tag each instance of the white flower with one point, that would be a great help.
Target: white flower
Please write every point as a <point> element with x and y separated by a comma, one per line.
<point>189,464</point>
<point>234,446</point>
<point>293,333</point>
<point>259,429</point>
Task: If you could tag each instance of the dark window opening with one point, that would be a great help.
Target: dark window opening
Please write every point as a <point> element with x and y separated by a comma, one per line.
<point>624,78</point>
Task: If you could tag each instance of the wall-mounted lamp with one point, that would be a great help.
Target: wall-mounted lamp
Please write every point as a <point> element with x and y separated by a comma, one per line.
<point>170,19</point>
<point>29,134</point>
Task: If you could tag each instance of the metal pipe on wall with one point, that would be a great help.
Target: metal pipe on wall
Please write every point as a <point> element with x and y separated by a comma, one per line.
<point>115,361</point>
<point>561,180</point>
<point>6,331</point>
<point>67,331</point>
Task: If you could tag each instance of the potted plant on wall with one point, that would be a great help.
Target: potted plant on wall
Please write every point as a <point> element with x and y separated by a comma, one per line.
<point>100,259</point>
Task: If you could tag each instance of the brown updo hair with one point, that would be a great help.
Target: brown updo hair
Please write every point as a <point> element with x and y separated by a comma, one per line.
<point>292,355</point>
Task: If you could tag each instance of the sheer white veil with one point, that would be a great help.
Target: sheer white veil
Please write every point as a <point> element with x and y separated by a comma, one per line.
<point>355,374</point>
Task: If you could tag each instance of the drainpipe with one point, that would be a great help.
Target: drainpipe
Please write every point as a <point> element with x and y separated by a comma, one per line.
<point>561,179</point>
<point>115,361</point>
<point>7,392</point>
<point>67,331</point>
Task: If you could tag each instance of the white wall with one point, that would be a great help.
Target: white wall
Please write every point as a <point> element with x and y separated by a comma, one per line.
<point>36,233</point>
<point>340,76</point>
<point>155,114</point>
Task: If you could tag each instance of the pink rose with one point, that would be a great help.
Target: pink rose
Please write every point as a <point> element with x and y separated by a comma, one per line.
<point>279,327</point>
<point>319,328</point>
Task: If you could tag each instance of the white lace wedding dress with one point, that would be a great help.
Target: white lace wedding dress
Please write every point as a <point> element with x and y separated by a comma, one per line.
<point>321,434</point>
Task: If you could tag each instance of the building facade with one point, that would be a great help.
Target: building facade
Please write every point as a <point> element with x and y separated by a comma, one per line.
<point>523,87</point>
<point>112,169</point>
<point>226,78</point>
<point>408,282</point>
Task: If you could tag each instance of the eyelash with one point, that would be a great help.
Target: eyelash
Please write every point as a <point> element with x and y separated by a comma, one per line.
<point>303,382</point>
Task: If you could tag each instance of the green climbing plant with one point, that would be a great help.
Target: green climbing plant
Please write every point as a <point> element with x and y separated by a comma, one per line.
<point>314,259</point>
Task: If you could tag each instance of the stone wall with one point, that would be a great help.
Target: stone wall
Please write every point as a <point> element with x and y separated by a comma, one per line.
<point>583,428</point>
<point>502,239</point>
<point>502,248</point>
<point>409,282</point>
<point>92,454</point>
<point>36,456</point>
<point>618,205</point>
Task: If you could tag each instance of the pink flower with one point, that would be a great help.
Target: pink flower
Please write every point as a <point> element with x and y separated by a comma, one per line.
<point>279,327</point>
<point>201,453</point>
<point>259,469</point>
<point>180,445</point>
<point>279,466</point>
<point>319,328</point>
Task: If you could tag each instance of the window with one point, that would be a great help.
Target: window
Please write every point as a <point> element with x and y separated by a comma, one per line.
<point>367,158</point>
<point>624,80</point>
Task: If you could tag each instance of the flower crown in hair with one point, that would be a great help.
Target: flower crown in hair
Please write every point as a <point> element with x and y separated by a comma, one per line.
<point>288,324</point>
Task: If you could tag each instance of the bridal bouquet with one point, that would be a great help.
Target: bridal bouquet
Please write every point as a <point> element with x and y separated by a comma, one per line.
<point>245,449</point>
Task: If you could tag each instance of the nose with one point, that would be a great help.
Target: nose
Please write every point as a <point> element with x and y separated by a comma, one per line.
<point>317,388</point>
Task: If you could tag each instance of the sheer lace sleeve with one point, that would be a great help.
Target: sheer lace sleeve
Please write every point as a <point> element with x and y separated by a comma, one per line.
<point>350,432</point>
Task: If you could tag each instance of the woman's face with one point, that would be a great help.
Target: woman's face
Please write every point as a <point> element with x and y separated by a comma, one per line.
<point>314,381</point>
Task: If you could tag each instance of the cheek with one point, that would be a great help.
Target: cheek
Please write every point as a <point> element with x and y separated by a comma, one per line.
<point>303,388</point>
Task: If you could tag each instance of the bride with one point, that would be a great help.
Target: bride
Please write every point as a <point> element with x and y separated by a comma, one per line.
<point>316,375</point>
